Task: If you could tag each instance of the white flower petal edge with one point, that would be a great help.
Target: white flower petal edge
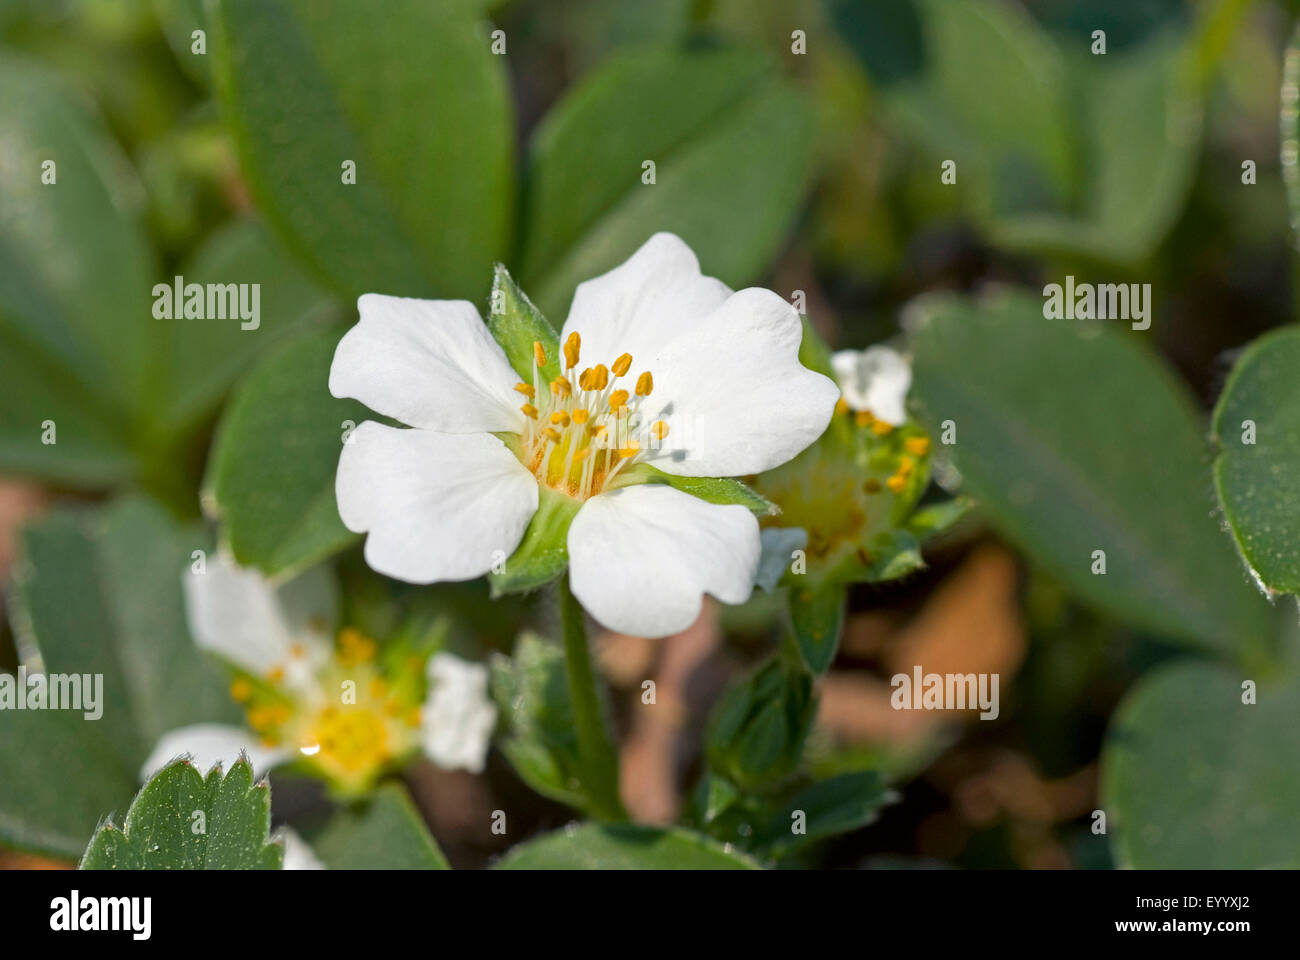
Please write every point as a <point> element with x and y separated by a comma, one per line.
<point>237,614</point>
<point>734,394</point>
<point>876,380</point>
<point>436,506</point>
<point>208,744</point>
<point>645,303</point>
<point>778,543</point>
<point>429,363</point>
<point>298,854</point>
<point>458,717</point>
<point>641,558</point>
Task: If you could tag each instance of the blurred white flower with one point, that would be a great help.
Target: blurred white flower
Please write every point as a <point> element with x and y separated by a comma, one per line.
<point>458,716</point>
<point>875,380</point>
<point>312,697</point>
<point>717,390</point>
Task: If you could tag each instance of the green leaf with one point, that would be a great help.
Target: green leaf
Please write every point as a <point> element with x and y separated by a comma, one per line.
<point>1259,481</point>
<point>757,731</point>
<point>181,820</point>
<point>1140,127</point>
<point>817,618</point>
<point>271,474</point>
<point>623,847</point>
<point>65,245</point>
<point>838,805</point>
<point>1076,438</point>
<point>414,98</point>
<point>516,324</point>
<point>539,739</point>
<point>99,592</point>
<point>1290,127</point>
<point>1193,778</point>
<point>383,833</point>
<point>206,356</point>
<point>543,553</point>
<point>731,145</point>
<point>720,490</point>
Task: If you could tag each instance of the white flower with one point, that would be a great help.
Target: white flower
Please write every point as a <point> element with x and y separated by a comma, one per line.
<point>680,373</point>
<point>875,380</point>
<point>330,708</point>
<point>298,854</point>
<point>457,716</point>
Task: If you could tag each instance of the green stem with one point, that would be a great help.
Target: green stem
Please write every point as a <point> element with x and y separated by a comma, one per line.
<point>599,761</point>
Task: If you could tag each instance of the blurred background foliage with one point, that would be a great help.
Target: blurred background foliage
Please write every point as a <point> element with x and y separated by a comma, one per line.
<point>814,171</point>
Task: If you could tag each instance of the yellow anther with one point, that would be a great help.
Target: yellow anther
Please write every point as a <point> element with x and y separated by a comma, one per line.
<point>571,348</point>
<point>905,465</point>
<point>529,411</point>
<point>841,405</point>
<point>896,483</point>
<point>526,389</point>
<point>580,415</point>
<point>241,690</point>
<point>862,418</point>
<point>622,365</point>
<point>644,384</point>
<point>539,355</point>
<point>561,386</point>
<point>560,417</point>
<point>617,399</point>
<point>551,434</point>
<point>597,430</point>
<point>881,429</point>
<point>354,646</point>
<point>631,450</point>
<point>584,379</point>
<point>917,445</point>
<point>660,429</point>
<point>599,377</point>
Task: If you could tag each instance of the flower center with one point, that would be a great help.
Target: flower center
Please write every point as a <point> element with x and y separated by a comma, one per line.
<point>583,430</point>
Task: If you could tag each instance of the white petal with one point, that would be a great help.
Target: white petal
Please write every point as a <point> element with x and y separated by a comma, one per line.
<point>458,717</point>
<point>298,854</point>
<point>876,379</point>
<point>643,304</point>
<point>437,506</point>
<point>641,558</point>
<point>733,393</point>
<point>778,545</point>
<point>208,744</point>
<point>429,363</point>
<point>237,614</point>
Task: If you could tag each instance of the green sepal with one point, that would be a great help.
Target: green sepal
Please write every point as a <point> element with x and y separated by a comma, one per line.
<point>543,553</point>
<point>516,324</point>
<point>932,520</point>
<point>181,820</point>
<point>834,806</point>
<point>720,490</point>
<point>817,620</point>
<point>889,555</point>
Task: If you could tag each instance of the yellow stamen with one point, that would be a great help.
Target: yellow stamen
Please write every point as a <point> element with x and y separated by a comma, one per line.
<point>276,675</point>
<point>561,386</point>
<point>241,690</point>
<point>631,450</point>
<point>862,418</point>
<point>571,348</point>
<point>917,445</point>
<point>580,415</point>
<point>622,365</point>
<point>551,434</point>
<point>617,399</point>
<point>841,405</point>
<point>529,411</point>
<point>526,389</point>
<point>539,355</point>
<point>560,417</point>
<point>882,429</point>
<point>644,384</point>
<point>896,483</point>
<point>905,465</point>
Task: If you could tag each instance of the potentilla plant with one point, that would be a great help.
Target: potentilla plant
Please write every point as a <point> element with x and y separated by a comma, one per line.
<point>609,450</point>
<point>330,701</point>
